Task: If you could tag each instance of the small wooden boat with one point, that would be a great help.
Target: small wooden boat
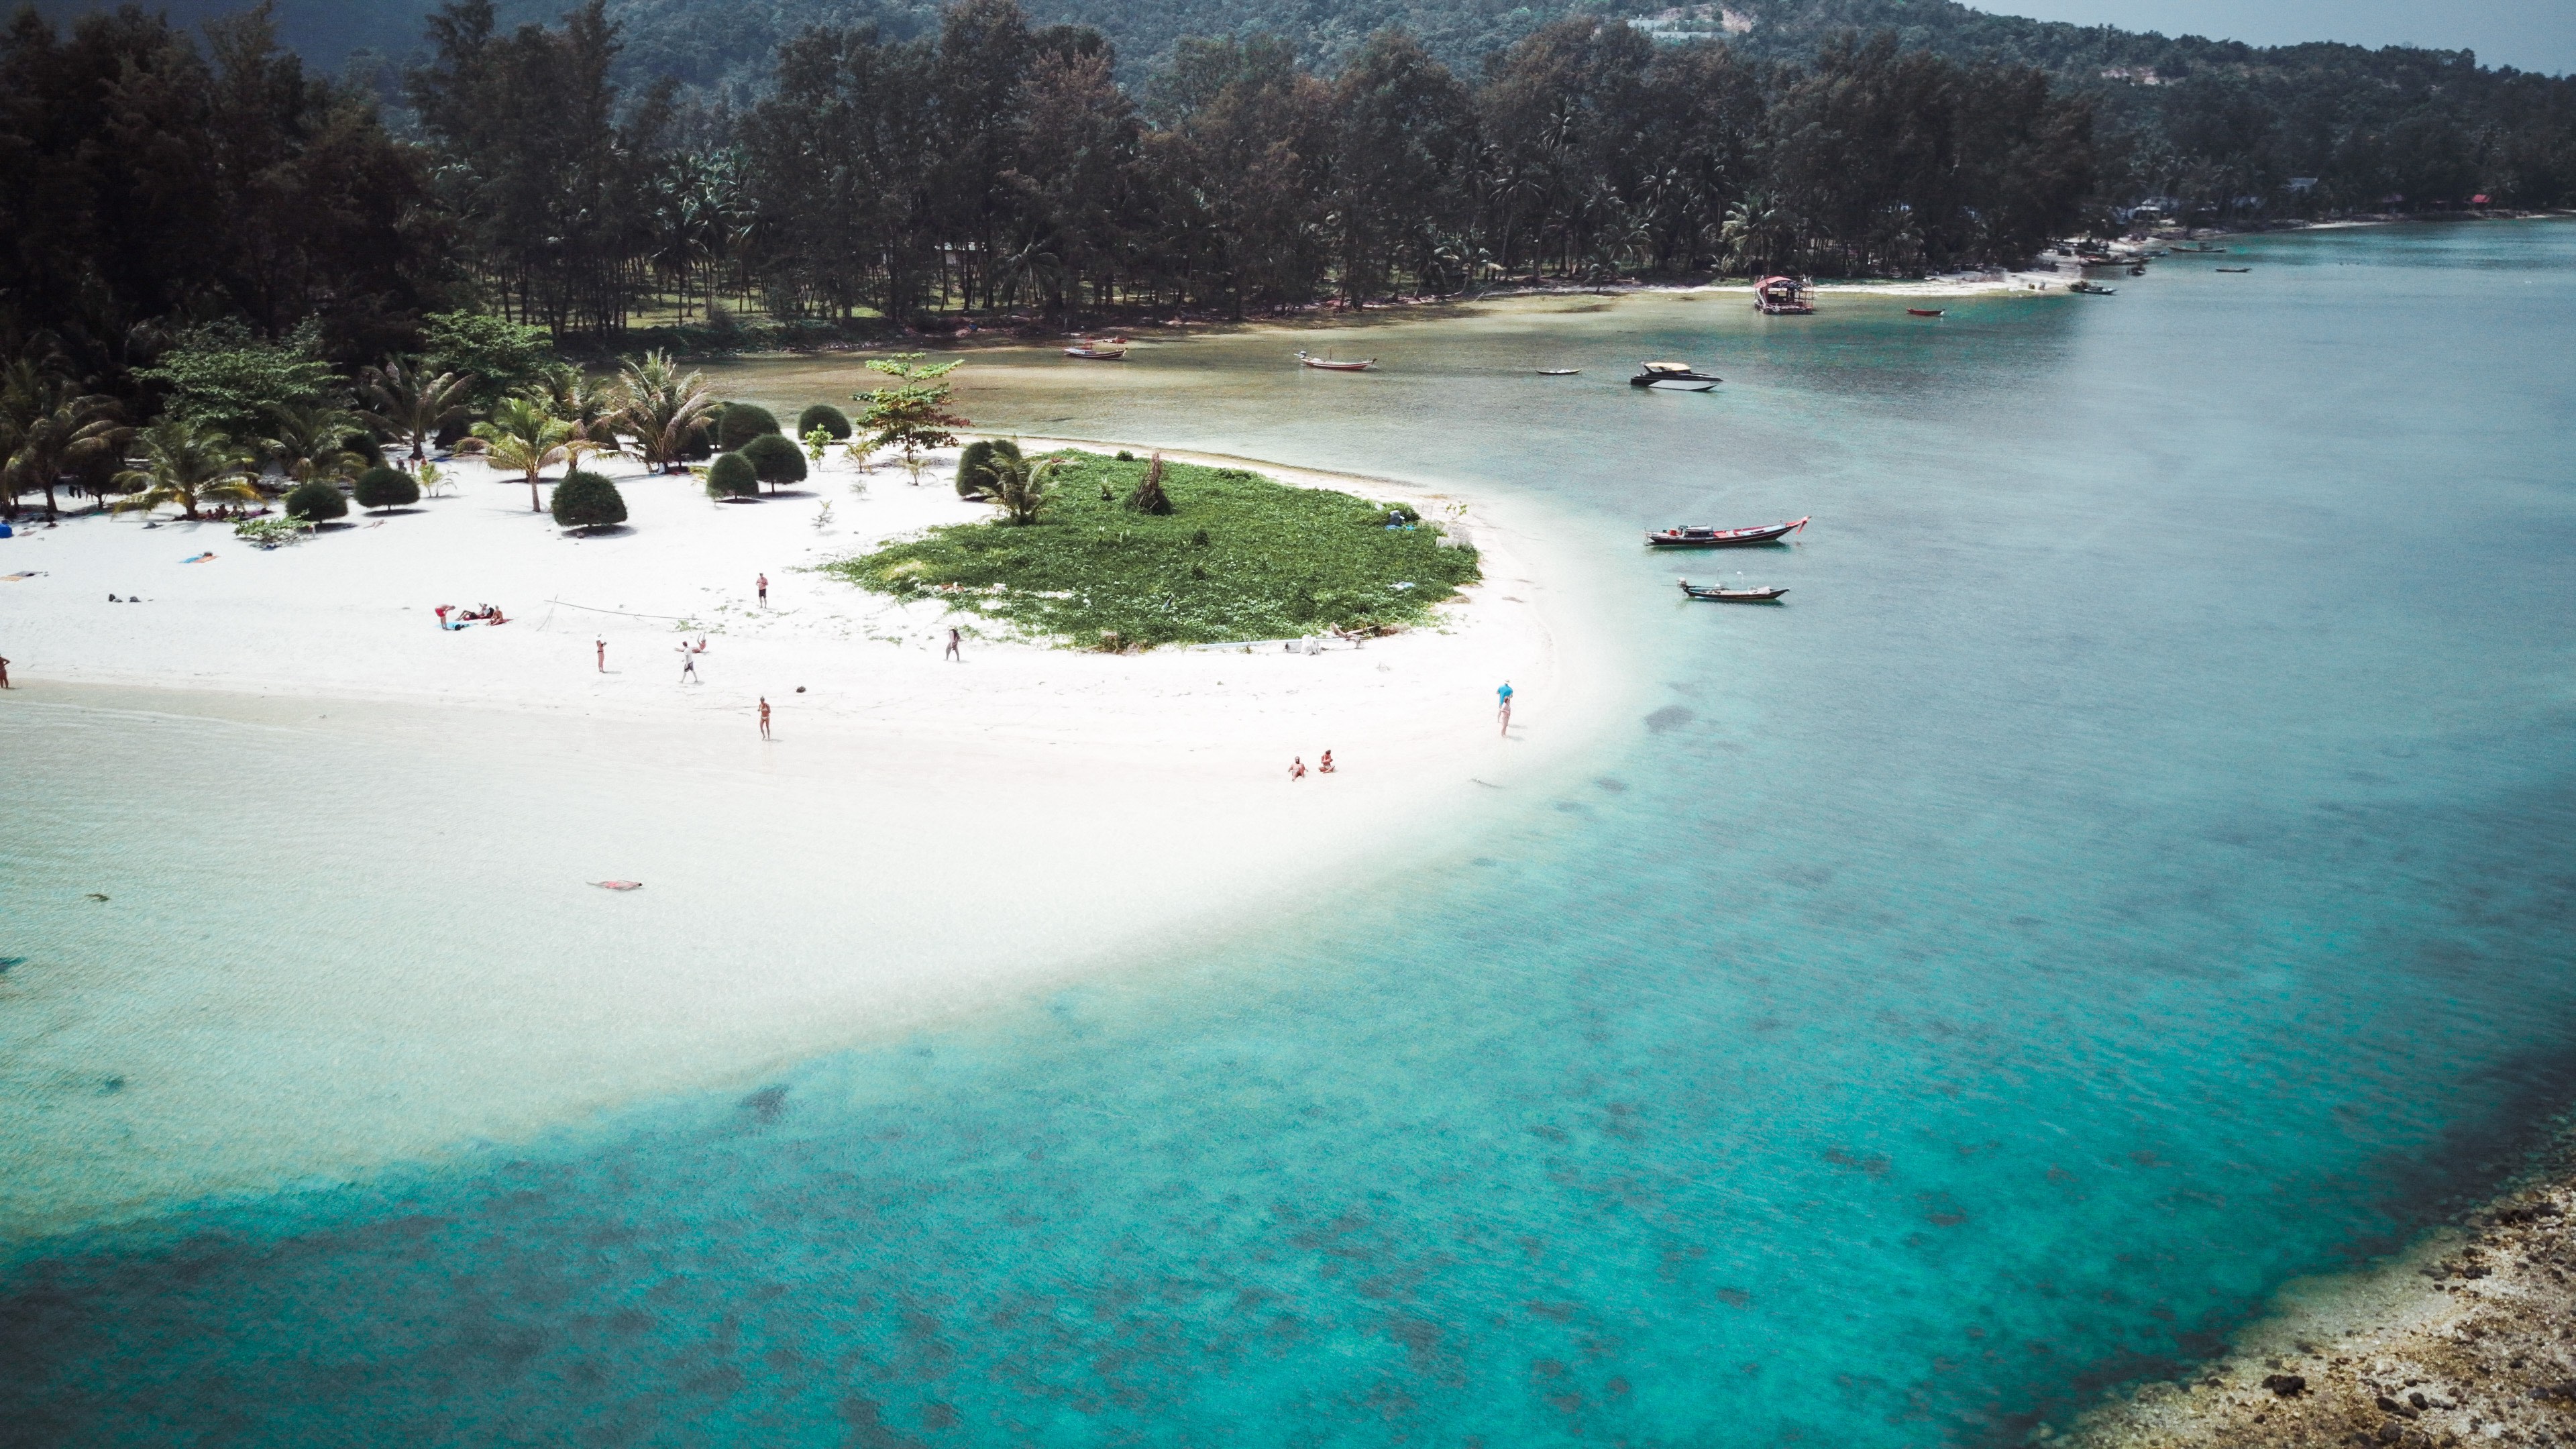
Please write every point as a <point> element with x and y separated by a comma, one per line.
<point>1328,364</point>
<point>2091,289</point>
<point>619,885</point>
<point>1724,595</point>
<point>1673,377</point>
<point>2236,269</point>
<point>1925,311</point>
<point>2138,271</point>
<point>1558,371</point>
<point>1096,354</point>
<point>1703,537</point>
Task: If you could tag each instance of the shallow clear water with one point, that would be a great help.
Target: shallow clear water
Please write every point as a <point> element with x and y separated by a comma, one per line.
<point>2134,869</point>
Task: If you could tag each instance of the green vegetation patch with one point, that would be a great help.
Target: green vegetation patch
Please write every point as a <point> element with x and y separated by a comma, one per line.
<point>1239,558</point>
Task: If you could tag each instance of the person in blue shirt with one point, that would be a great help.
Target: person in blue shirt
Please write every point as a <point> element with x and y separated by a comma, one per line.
<point>1503,706</point>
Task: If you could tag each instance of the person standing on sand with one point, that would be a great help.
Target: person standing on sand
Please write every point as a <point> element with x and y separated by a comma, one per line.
<point>4,674</point>
<point>764,716</point>
<point>603,655</point>
<point>953,640</point>
<point>689,665</point>
<point>764,591</point>
<point>1503,706</point>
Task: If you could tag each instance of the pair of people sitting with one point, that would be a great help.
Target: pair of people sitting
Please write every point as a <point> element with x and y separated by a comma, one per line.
<point>1297,766</point>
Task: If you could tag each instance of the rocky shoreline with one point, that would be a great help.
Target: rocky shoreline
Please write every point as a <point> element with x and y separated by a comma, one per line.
<point>2467,1338</point>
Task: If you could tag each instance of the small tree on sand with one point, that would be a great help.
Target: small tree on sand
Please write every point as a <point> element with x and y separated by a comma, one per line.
<point>316,500</point>
<point>587,501</point>
<point>186,464</point>
<point>774,459</point>
<point>913,416</point>
<point>975,465</point>
<point>524,435</point>
<point>665,408</point>
<point>1149,496</point>
<point>1022,486</point>
<point>386,488</point>
<point>731,476</point>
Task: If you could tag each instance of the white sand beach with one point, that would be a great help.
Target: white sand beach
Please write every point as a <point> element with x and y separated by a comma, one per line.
<point>824,887</point>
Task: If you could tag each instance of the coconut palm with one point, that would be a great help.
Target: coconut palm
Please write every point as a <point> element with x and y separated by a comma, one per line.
<point>187,464</point>
<point>1023,485</point>
<point>48,425</point>
<point>664,408</point>
<point>590,407</point>
<point>408,404</point>
<point>524,435</point>
<point>310,441</point>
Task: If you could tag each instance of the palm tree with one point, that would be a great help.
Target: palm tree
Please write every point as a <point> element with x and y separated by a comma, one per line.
<point>523,433</point>
<point>1023,485</point>
<point>311,441</point>
<point>412,406</point>
<point>664,409</point>
<point>186,464</point>
<point>590,408</point>
<point>47,426</point>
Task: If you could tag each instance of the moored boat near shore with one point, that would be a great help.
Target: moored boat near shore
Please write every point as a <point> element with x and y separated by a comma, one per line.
<point>1328,364</point>
<point>1724,595</point>
<point>1925,311</point>
<point>1096,354</point>
<point>1700,536</point>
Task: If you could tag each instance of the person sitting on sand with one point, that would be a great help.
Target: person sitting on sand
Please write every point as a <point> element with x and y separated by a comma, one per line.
<point>1297,768</point>
<point>1325,765</point>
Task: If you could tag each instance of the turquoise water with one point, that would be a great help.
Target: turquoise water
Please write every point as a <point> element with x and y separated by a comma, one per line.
<point>2133,869</point>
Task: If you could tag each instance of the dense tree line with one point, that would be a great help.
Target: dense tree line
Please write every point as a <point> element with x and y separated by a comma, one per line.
<point>994,164</point>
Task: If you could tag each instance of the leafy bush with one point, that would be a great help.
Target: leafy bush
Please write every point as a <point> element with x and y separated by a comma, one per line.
<point>827,417</point>
<point>386,488</point>
<point>270,532</point>
<point>731,476</point>
<point>1244,559</point>
<point>975,475</point>
<point>316,502</point>
<point>773,459</point>
<point>743,422</point>
<point>587,500</point>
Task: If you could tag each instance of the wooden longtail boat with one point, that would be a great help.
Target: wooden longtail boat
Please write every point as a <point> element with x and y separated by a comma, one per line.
<point>1702,537</point>
<point>2236,269</point>
<point>1096,354</point>
<point>1724,595</point>
<point>1328,364</point>
<point>1925,311</point>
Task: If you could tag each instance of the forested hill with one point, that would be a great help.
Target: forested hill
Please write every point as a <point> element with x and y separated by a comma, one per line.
<point>729,44</point>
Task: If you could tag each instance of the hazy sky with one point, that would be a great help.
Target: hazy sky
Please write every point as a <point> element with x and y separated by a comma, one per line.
<point>2527,34</point>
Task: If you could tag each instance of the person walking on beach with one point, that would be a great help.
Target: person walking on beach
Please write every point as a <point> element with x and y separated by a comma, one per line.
<point>953,640</point>
<point>1503,706</point>
<point>764,591</point>
<point>603,655</point>
<point>4,674</point>
<point>764,716</point>
<point>689,665</point>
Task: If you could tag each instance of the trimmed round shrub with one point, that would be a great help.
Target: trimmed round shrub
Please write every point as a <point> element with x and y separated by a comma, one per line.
<point>386,488</point>
<point>743,422</point>
<point>731,477</point>
<point>827,417</point>
<point>586,500</point>
<point>975,465</point>
<point>774,460</point>
<point>316,502</point>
